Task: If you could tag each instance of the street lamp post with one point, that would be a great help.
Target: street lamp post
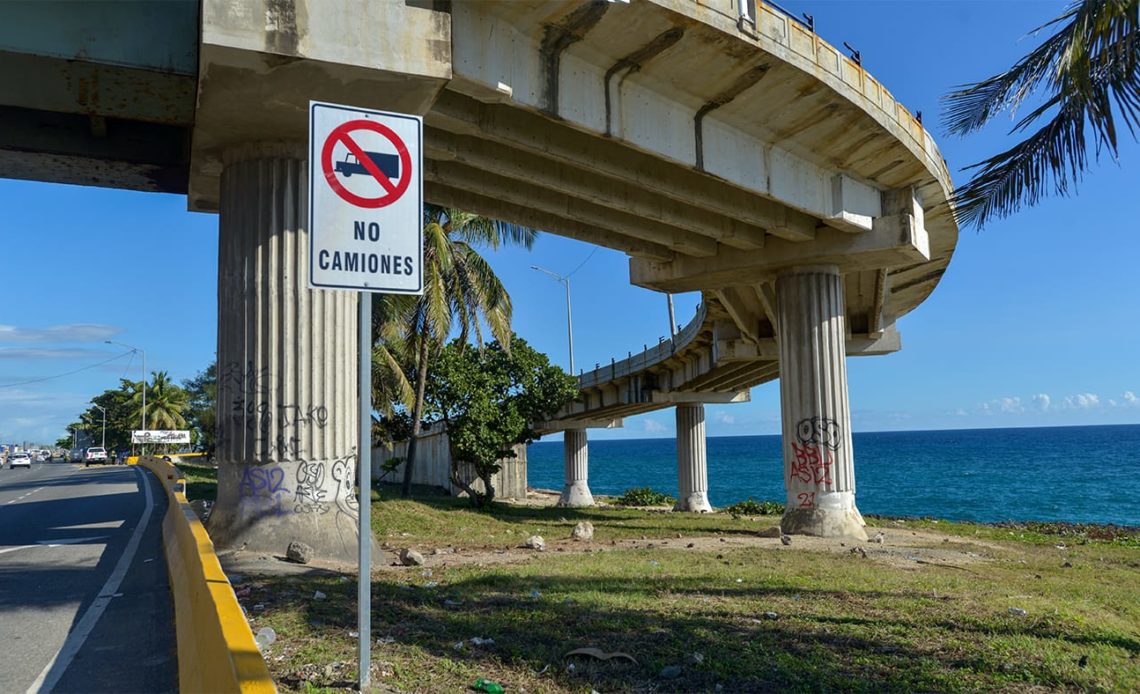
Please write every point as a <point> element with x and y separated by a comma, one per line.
<point>143,353</point>
<point>569,321</point>
<point>103,439</point>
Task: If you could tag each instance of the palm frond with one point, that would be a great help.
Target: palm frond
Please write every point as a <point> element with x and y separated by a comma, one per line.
<point>1091,70</point>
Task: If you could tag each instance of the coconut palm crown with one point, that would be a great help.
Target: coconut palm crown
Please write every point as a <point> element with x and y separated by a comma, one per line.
<point>1088,72</point>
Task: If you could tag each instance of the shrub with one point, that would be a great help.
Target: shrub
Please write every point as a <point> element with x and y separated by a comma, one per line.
<point>755,508</point>
<point>644,496</point>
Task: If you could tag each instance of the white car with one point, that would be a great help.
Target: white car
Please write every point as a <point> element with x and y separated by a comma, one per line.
<point>19,460</point>
<point>95,454</point>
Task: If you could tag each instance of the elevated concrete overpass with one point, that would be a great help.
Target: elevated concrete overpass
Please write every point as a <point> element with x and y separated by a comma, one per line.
<point>725,148</point>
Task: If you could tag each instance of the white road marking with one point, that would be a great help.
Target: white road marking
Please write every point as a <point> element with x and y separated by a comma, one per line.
<point>62,660</point>
<point>13,549</point>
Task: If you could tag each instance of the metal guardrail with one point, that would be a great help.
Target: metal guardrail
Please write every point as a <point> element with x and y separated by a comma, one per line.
<point>647,357</point>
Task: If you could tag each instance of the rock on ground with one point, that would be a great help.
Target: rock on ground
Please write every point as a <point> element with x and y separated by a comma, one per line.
<point>410,557</point>
<point>299,552</point>
<point>584,531</point>
<point>535,542</point>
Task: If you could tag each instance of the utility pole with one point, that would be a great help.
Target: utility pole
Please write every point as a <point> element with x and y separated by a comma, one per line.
<point>103,440</point>
<point>569,320</point>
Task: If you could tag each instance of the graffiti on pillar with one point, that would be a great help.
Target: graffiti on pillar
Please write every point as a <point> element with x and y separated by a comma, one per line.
<point>311,490</point>
<point>347,506</point>
<point>276,429</point>
<point>812,464</point>
<point>820,431</point>
<point>814,454</point>
<point>263,489</point>
<point>806,499</point>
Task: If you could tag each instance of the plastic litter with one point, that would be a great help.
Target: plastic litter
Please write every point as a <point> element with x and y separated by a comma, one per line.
<point>265,637</point>
<point>319,595</point>
<point>482,685</point>
<point>1017,612</point>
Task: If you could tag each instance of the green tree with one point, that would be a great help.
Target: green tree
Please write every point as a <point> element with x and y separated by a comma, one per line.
<point>460,289</point>
<point>201,407</point>
<point>1089,70</point>
<point>488,401</point>
<point>165,402</point>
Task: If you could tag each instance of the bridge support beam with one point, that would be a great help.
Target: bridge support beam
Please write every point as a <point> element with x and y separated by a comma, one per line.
<point>819,468</point>
<point>692,467</point>
<point>575,455</point>
<point>287,412</point>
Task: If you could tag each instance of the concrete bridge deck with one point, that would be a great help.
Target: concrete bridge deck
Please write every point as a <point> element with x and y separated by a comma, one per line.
<point>721,144</point>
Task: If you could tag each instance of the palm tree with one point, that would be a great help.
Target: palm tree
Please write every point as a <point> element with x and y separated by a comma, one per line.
<point>459,287</point>
<point>165,402</point>
<point>1089,69</point>
<point>390,386</point>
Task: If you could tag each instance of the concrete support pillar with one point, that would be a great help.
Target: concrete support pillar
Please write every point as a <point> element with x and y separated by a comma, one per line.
<point>692,466</point>
<point>575,455</point>
<point>287,413</point>
<point>819,468</point>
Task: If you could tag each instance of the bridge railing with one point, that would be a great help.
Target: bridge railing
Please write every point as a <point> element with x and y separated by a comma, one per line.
<point>646,358</point>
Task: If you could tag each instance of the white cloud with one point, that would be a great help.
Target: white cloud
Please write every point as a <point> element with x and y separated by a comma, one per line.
<point>1082,401</point>
<point>724,418</point>
<point>1130,399</point>
<point>1042,401</point>
<point>48,353</point>
<point>75,332</point>
<point>1002,406</point>
<point>652,426</point>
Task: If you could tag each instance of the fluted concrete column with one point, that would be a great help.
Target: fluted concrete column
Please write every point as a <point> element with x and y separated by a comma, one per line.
<point>575,456</point>
<point>692,465</point>
<point>819,468</point>
<point>287,363</point>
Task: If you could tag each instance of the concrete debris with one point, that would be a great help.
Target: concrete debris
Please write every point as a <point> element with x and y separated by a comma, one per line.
<point>299,552</point>
<point>1017,612</point>
<point>410,557</point>
<point>878,538</point>
<point>785,539</point>
<point>319,595</point>
<point>859,551</point>
<point>583,532</point>
<point>535,542</point>
<point>771,615</point>
<point>670,672</point>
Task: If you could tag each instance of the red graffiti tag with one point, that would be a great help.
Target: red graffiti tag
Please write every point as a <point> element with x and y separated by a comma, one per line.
<point>813,464</point>
<point>807,499</point>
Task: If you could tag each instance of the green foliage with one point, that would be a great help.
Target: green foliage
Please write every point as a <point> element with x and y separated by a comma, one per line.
<point>201,408</point>
<point>488,399</point>
<point>1085,72</point>
<point>644,496</point>
<point>755,508</point>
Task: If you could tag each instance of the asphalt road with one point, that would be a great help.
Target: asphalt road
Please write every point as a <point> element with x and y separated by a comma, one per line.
<point>85,603</point>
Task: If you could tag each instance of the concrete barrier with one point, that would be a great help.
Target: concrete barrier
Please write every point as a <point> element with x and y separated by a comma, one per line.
<point>216,650</point>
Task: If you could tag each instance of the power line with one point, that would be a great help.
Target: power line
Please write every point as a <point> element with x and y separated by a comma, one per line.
<point>48,378</point>
<point>584,261</point>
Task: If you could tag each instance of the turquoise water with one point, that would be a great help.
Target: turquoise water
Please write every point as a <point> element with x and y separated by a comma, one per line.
<point>1076,474</point>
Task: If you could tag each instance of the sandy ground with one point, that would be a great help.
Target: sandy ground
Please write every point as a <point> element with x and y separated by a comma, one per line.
<point>900,547</point>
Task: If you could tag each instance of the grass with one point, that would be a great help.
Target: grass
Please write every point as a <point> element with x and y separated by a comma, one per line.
<point>201,481</point>
<point>841,621</point>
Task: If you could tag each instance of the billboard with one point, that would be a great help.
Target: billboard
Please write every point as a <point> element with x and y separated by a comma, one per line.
<point>160,436</point>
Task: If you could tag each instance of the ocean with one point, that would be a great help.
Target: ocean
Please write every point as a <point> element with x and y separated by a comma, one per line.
<point>1083,474</point>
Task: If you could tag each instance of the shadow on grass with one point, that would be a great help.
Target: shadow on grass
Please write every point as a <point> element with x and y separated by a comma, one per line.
<point>536,620</point>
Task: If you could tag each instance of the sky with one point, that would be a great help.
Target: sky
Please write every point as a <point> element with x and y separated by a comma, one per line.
<point>1034,324</point>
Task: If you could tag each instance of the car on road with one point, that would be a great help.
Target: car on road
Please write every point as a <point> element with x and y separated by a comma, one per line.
<point>21,459</point>
<point>95,454</point>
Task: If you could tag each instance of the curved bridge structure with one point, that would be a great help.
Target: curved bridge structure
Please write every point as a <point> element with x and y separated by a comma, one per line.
<point>721,144</point>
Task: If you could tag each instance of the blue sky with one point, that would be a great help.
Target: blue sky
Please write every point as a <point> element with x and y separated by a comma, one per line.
<point>1034,324</point>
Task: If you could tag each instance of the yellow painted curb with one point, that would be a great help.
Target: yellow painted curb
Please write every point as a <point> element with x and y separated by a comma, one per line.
<point>216,650</point>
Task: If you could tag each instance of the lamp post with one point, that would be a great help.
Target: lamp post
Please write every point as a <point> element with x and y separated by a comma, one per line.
<point>103,439</point>
<point>143,353</point>
<point>569,323</point>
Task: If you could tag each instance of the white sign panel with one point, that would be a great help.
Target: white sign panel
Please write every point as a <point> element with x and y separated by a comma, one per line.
<point>160,436</point>
<point>365,200</point>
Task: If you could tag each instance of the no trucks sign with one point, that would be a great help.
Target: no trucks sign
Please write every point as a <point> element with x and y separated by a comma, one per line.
<point>365,200</point>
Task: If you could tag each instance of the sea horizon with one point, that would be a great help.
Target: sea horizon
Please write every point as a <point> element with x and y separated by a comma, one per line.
<point>994,474</point>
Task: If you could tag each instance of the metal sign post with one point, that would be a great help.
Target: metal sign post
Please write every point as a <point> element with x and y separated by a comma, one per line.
<point>365,235</point>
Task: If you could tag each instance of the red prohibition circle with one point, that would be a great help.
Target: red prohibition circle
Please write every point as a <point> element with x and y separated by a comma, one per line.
<point>392,191</point>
